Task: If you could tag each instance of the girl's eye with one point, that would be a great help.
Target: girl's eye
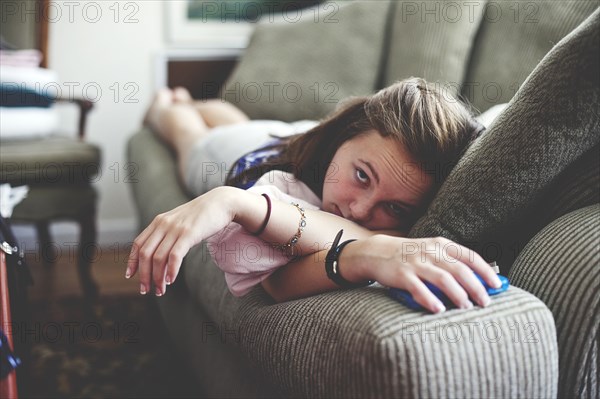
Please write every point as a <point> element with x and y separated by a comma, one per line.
<point>396,210</point>
<point>362,176</point>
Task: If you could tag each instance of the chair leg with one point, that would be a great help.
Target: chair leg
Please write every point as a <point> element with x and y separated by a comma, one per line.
<point>46,245</point>
<point>86,252</point>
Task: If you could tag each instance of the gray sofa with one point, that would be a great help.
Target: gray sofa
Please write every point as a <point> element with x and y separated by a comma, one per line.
<point>525,194</point>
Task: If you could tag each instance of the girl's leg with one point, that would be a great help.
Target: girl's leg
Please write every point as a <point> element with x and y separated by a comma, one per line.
<point>213,112</point>
<point>178,124</point>
<point>217,112</point>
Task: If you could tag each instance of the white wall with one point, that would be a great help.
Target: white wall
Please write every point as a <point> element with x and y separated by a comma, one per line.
<point>93,46</point>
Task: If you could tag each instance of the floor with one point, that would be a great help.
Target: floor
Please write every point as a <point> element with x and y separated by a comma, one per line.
<point>60,280</point>
<point>61,368</point>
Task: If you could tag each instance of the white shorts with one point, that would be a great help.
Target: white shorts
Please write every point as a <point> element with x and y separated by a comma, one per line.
<point>212,157</point>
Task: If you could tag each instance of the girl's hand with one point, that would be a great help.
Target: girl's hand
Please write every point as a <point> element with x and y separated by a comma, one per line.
<point>159,250</point>
<point>405,263</point>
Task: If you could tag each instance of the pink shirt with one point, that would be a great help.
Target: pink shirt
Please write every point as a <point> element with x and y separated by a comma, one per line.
<point>245,259</point>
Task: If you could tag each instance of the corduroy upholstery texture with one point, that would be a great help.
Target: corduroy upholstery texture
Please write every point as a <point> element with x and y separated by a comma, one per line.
<point>552,121</point>
<point>560,267</point>
<point>360,343</point>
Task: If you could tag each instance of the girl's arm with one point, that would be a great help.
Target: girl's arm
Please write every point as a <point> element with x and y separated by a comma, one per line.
<point>392,261</point>
<point>159,250</point>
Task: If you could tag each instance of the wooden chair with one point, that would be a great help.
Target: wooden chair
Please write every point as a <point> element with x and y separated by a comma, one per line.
<point>59,172</point>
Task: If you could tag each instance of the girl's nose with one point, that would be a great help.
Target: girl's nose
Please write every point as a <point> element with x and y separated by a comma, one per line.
<point>360,211</point>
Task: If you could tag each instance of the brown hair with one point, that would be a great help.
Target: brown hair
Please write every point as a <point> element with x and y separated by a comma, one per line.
<point>433,126</point>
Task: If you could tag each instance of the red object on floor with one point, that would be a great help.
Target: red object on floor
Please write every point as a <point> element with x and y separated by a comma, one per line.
<point>8,385</point>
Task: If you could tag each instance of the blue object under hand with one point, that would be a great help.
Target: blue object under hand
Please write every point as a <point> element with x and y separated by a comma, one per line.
<point>405,297</point>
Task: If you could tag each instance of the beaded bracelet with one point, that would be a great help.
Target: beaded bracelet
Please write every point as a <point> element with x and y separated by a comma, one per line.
<point>263,226</point>
<point>289,247</point>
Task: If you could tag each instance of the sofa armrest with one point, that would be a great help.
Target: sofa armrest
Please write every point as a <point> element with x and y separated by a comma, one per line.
<point>154,183</point>
<point>560,267</point>
<point>362,343</point>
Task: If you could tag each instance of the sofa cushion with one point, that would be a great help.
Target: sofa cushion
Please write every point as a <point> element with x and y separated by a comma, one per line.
<point>514,36</point>
<point>560,266</point>
<point>301,69</point>
<point>578,186</point>
<point>52,203</point>
<point>551,122</point>
<point>431,40</point>
<point>49,161</point>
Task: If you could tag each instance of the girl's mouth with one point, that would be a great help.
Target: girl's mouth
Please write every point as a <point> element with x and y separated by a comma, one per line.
<point>337,211</point>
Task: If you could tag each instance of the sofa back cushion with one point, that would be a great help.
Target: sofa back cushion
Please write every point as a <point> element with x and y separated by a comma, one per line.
<point>431,40</point>
<point>514,36</point>
<point>488,200</point>
<point>301,69</point>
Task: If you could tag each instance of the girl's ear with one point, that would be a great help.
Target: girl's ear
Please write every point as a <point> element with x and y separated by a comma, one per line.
<point>476,129</point>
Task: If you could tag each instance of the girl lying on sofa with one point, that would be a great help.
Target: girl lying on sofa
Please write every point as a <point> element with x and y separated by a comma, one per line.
<point>370,168</point>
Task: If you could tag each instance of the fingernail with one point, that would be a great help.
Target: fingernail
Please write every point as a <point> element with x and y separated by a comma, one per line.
<point>439,308</point>
<point>168,280</point>
<point>158,292</point>
<point>484,301</point>
<point>497,283</point>
<point>467,305</point>
<point>127,274</point>
<point>142,289</point>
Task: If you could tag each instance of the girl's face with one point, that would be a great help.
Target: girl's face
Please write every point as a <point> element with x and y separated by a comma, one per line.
<point>374,182</point>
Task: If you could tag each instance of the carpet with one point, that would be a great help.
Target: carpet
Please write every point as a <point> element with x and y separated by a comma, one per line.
<point>119,348</point>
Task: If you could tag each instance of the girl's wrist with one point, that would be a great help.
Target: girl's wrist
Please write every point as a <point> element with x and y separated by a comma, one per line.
<point>361,255</point>
<point>351,264</point>
<point>229,197</point>
<point>246,207</point>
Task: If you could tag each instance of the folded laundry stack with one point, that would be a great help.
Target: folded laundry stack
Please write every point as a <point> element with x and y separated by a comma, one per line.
<point>27,96</point>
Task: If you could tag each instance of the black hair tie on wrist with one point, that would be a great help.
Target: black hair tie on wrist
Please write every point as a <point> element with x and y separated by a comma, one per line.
<point>332,264</point>
<point>263,226</point>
